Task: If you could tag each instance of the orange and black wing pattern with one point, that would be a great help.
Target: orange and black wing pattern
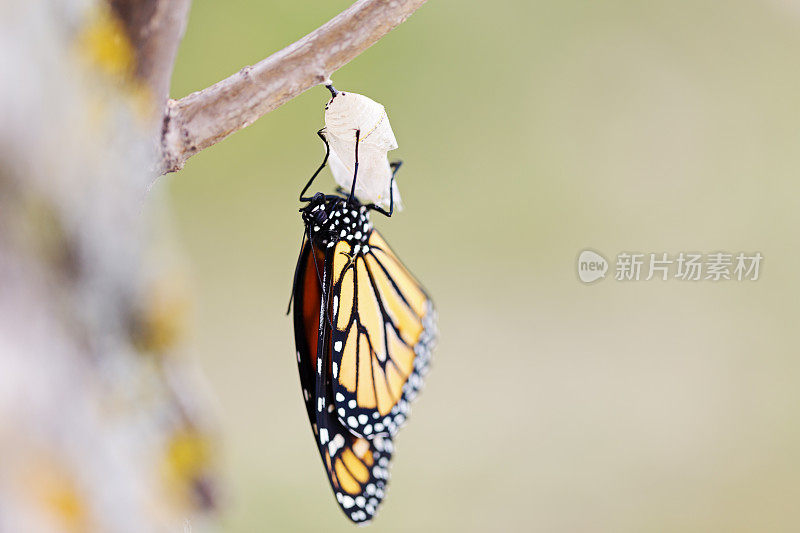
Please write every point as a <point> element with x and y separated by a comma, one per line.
<point>357,468</point>
<point>364,328</point>
<point>383,331</point>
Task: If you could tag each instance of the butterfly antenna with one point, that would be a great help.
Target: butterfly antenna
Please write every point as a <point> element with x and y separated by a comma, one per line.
<point>355,171</point>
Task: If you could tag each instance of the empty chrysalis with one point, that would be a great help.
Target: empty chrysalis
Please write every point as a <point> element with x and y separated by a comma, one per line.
<point>345,114</point>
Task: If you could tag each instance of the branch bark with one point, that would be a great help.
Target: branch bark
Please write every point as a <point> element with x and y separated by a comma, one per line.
<point>204,118</point>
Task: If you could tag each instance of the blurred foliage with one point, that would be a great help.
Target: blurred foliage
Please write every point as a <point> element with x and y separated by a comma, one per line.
<point>529,131</point>
<point>87,422</point>
<point>105,43</point>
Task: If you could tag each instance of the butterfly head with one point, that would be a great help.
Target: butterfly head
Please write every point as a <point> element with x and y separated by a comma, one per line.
<point>330,219</point>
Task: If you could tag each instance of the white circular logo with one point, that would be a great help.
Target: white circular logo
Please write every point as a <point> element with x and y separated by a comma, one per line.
<point>591,266</point>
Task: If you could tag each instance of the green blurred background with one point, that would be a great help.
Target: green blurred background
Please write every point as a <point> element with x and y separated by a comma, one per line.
<point>529,131</point>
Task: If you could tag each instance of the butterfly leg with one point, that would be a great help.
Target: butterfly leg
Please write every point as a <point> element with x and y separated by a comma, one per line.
<point>395,166</point>
<point>321,135</point>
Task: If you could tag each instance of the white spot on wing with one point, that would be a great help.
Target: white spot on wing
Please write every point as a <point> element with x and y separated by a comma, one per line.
<point>336,443</point>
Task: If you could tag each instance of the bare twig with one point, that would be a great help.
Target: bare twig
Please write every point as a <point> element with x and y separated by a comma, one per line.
<point>155,28</point>
<point>204,118</point>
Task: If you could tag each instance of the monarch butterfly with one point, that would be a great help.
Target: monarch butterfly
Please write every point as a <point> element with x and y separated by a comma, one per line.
<point>364,329</point>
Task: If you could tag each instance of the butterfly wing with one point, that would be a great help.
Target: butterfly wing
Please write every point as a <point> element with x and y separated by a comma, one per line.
<point>357,468</point>
<point>384,327</point>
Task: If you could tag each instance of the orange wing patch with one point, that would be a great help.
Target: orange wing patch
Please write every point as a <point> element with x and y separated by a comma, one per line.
<point>359,473</point>
<point>364,329</point>
<point>357,468</point>
<point>384,330</point>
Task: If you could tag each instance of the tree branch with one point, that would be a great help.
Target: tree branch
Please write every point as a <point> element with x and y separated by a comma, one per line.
<point>204,118</point>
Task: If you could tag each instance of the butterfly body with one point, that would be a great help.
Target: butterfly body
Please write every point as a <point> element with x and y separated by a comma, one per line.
<point>364,329</point>
<point>330,219</point>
